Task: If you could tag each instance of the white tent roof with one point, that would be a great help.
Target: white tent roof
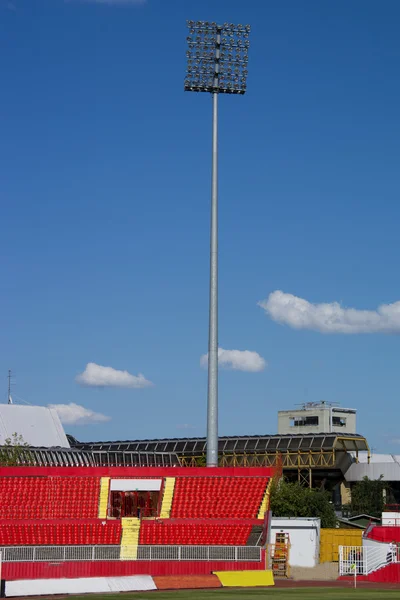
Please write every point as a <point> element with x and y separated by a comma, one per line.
<point>38,425</point>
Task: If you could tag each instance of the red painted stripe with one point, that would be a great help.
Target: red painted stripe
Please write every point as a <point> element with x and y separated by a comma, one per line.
<point>136,472</point>
<point>228,521</point>
<point>187,582</point>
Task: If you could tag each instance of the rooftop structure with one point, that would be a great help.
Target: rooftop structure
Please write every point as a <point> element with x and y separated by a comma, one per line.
<point>317,417</point>
<point>37,425</point>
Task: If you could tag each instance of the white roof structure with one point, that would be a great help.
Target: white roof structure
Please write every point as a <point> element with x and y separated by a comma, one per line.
<point>387,465</point>
<point>39,426</point>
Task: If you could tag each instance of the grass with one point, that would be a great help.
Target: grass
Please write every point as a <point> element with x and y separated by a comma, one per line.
<point>314,593</point>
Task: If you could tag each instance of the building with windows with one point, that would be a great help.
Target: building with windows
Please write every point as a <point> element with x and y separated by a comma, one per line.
<point>317,417</point>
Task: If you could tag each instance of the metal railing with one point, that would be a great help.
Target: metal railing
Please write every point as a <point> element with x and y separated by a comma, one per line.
<point>362,560</point>
<point>390,521</point>
<point>58,554</point>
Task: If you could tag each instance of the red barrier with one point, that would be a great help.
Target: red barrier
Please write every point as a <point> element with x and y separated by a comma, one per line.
<point>386,534</point>
<point>37,570</point>
<point>388,574</point>
<point>187,582</point>
<point>140,472</point>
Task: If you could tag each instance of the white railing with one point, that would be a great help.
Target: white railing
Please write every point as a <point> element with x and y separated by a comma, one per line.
<point>362,560</point>
<point>390,522</point>
<point>113,553</point>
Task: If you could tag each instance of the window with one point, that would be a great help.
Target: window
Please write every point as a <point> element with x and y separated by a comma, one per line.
<point>338,422</point>
<point>304,421</point>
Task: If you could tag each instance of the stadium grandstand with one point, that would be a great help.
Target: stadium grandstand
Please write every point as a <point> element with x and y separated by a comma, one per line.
<point>149,519</point>
<point>75,511</point>
<point>80,509</point>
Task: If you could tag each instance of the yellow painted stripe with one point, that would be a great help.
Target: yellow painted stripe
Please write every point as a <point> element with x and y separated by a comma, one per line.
<point>130,538</point>
<point>265,501</point>
<point>167,497</point>
<point>103,500</point>
<point>245,578</point>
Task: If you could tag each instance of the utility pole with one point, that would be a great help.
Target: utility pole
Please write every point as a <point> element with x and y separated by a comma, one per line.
<point>9,398</point>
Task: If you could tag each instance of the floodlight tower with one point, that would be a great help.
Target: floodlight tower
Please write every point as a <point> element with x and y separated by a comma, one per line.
<point>217,63</point>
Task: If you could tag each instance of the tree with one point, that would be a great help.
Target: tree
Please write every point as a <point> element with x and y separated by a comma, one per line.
<point>14,452</point>
<point>293,500</point>
<point>368,496</point>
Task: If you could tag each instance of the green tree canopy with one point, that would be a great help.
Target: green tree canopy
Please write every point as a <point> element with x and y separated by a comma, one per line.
<point>368,496</point>
<point>293,500</point>
<point>15,452</point>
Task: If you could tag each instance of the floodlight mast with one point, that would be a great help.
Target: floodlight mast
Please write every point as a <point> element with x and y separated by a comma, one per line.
<point>217,63</point>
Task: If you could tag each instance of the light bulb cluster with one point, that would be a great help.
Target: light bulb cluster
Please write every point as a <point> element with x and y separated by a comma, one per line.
<point>217,57</point>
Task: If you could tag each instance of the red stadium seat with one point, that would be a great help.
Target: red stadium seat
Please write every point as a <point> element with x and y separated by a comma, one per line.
<point>193,534</point>
<point>218,497</point>
<point>49,497</point>
<point>59,533</point>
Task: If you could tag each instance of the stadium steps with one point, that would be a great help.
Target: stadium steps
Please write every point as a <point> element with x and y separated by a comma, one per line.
<point>167,498</point>
<point>103,500</point>
<point>130,538</point>
<point>265,501</point>
<point>255,536</point>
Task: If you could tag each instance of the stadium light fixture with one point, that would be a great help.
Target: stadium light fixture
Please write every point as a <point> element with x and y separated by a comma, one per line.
<point>217,59</point>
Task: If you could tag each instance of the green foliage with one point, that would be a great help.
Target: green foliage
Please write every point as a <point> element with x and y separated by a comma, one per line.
<point>201,461</point>
<point>368,496</point>
<point>14,452</point>
<point>293,500</point>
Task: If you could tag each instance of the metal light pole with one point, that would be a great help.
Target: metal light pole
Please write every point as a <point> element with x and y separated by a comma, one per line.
<point>217,59</point>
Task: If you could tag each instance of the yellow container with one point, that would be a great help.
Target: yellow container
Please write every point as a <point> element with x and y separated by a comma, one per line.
<point>331,539</point>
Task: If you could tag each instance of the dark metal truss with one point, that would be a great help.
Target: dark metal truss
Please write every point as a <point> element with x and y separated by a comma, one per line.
<point>64,457</point>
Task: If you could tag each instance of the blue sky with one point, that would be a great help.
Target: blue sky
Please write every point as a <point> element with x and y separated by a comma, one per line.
<point>105,191</point>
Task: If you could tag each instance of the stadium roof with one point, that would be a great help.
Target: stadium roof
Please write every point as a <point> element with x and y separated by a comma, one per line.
<point>253,444</point>
<point>67,457</point>
<point>37,425</point>
<point>381,465</point>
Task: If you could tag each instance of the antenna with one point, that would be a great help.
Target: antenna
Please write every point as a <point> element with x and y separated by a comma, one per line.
<point>9,398</point>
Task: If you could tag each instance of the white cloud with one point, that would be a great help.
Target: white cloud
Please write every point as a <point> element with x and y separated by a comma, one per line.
<point>331,317</point>
<point>237,360</point>
<point>185,426</point>
<point>99,376</point>
<point>74,414</point>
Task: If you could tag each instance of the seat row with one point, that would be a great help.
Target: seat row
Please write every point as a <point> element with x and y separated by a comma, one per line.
<point>49,497</point>
<point>193,534</point>
<point>65,534</point>
<point>218,497</point>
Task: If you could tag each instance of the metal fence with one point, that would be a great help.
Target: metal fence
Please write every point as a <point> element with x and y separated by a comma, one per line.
<point>362,560</point>
<point>113,553</point>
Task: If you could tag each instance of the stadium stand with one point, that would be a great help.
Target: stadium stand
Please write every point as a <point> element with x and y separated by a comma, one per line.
<point>51,533</point>
<point>218,497</point>
<point>49,497</point>
<point>190,533</point>
<point>90,521</point>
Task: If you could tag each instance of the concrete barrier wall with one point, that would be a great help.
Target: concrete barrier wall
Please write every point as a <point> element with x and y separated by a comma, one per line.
<point>85,585</point>
<point>138,583</point>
